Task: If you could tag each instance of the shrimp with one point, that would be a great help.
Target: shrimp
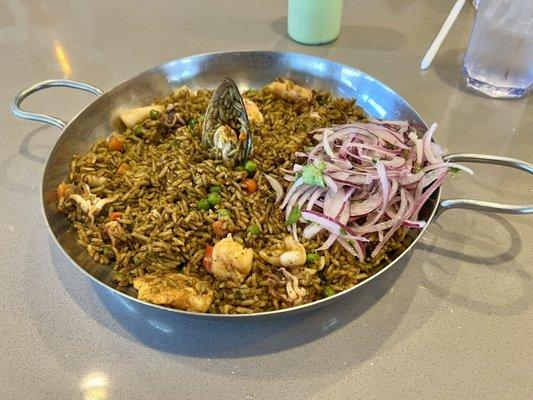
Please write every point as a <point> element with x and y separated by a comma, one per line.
<point>291,255</point>
<point>230,260</point>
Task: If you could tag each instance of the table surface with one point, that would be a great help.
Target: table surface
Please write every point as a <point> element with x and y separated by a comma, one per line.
<point>453,321</point>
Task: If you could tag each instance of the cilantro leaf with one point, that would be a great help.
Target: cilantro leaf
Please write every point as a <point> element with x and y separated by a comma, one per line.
<point>294,216</point>
<point>313,176</point>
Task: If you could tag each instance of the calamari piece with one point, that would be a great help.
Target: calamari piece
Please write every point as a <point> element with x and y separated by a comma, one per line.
<point>230,260</point>
<point>254,115</point>
<point>287,90</point>
<point>291,255</point>
<point>174,290</point>
<point>136,115</point>
<point>90,204</point>
<point>295,293</point>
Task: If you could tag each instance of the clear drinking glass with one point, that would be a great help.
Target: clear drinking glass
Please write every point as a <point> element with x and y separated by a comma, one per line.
<point>499,58</point>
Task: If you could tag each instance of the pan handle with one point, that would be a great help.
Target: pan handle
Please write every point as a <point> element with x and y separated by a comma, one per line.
<point>487,205</point>
<point>19,98</point>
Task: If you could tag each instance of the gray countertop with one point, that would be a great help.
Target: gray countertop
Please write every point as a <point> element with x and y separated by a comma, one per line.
<point>455,320</point>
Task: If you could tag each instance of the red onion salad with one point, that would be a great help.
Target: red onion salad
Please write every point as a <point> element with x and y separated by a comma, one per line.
<point>363,179</point>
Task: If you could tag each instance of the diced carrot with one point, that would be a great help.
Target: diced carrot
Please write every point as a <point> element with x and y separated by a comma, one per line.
<point>115,215</point>
<point>115,143</point>
<point>62,189</point>
<point>220,227</point>
<point>208,258</point>
<point>251,185</point>
<point>123,168</point>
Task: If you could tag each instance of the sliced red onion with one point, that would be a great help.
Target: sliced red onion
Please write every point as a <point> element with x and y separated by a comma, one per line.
<point>276,186</point>
<point>414,224</point>
<point>385,188</point>
<point>294,232</point>
<point>378,149</point>
<point>302,191</point>
<point>387,224</point>
<point>333,202</point>
<point>297,183</point>
<point>330,183</point>
<point>326,145</point>
<point>393,189</point>
<point>366,206</point>
<point>428,192</point>
<point>393,229</point>
<point>380,195</point>
<point>312,230</point>
<point>314,197</point>
<point>331,225</point>
<point>427,179</point>
<point>356,248</point>
<point>329,242</point>
<point>428,151</point>
<point>306,196</point>
<point>431,167</point>
<point>289,178</point>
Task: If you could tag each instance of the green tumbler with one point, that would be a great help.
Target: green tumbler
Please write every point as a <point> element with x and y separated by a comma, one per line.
<point>314,21</point>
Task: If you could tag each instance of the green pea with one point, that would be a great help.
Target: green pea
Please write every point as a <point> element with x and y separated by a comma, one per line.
<point>139,130</point>
<point>203,204</point>
<point>106,250</point>
<point>214,198</point>
<point>250,166</point>
<point>214,189</point>
<point>253,229</point>
<point>328,291</point>
<point>312,257</point>
<point>154,114</point>
<point>137,261</point>
<point>223,213</point>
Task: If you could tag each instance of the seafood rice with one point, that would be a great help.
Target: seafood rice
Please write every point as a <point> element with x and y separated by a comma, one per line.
<point>191,233</point>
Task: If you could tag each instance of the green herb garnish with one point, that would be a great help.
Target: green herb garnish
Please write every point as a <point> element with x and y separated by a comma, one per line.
<point>313,176</point>
<point>294,216</point>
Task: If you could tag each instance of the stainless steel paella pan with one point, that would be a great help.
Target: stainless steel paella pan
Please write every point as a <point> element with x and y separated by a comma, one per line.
<point>249,69</point>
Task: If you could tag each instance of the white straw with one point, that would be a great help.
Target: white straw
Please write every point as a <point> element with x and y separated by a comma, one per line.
<point>434,48</point>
